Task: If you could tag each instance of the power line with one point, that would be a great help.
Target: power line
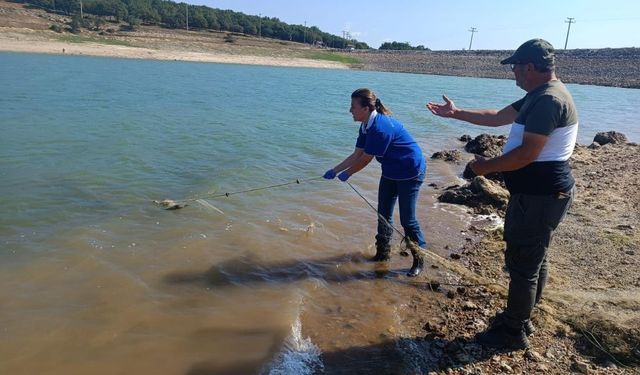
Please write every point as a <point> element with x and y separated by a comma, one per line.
<point>472,30</point>
<point>569,21</point>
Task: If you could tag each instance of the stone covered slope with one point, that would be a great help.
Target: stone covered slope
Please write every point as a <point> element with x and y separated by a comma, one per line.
<point>619,67</point>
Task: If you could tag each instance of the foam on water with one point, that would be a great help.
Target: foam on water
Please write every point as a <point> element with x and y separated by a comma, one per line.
<point>415,358</point>
<point>298,356</point>
<point>494,220</point>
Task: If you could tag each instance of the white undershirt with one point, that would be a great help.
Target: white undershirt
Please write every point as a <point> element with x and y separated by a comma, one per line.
<point>559,146</point>
<point>364,127</point>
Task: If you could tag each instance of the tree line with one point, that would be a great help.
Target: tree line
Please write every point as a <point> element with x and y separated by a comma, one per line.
<point>402,46</point>
<point>173,15</point>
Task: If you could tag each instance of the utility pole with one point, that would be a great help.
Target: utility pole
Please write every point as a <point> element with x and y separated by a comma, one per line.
<point>304,38</point>
<point>259,25</point>
<point>472,30</point>
<point>81,15</point>
<point>569,21</point>
<point>186,6</point>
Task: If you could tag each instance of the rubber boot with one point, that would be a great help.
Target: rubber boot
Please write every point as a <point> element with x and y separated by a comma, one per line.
<point>383,252</point>
<point>503,337</point>
<point>418,262</point>
<point>529,328</point>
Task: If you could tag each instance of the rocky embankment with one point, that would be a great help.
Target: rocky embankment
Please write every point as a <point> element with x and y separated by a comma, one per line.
<point>588,319</point>
<point>619,67</point>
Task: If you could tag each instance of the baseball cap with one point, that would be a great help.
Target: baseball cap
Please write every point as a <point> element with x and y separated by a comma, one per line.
<point>537,51</point>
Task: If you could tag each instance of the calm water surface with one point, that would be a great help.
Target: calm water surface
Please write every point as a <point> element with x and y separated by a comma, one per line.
<point>96,279</point>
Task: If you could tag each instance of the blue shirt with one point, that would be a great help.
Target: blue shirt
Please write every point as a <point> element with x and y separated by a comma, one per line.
<point>392,145</point>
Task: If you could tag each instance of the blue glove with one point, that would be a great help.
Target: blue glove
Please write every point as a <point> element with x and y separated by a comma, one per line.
<point>330,174</point>
<point>344,176</point>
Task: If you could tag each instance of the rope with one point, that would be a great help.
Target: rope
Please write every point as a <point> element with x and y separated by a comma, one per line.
<point>376,211</point>
<point>430,254</point>
<point>218,195</point>
<point>427,253</point>
<point>408,243</point>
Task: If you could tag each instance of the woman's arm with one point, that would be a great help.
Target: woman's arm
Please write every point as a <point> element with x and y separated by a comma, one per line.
<point>362,161</point>
<point>349,161</point>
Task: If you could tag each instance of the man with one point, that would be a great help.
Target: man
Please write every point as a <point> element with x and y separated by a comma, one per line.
<point>536,172</point>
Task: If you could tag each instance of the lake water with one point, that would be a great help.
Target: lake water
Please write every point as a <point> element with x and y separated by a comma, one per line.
<point>94,278</point>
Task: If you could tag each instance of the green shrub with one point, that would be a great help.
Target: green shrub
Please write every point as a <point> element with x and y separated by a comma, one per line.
<point>75,24</point>
<point>57,28</point>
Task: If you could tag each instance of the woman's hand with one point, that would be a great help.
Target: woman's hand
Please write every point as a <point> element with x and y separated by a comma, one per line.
<point>330,174</point>
<point>344,176</point>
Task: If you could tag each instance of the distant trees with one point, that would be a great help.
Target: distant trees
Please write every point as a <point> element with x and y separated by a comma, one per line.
<point>168,14</point>
<point>107,8</point>
<point>63,6</point>
<point>75,23</point>
<point>402,46</point>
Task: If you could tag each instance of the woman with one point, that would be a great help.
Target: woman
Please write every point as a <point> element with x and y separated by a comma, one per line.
<point>403,171</point>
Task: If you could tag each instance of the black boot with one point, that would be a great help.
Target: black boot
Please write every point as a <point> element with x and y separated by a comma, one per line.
<point>382,253</point>
<point>503,337</point>
<point>529,328</point>
<point>418,262</point>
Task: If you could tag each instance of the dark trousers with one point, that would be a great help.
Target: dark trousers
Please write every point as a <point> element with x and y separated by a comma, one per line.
<point>528,229</point>
<point>406,193</point>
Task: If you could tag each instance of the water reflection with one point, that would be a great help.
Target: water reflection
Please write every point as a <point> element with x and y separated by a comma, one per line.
<point>247,271</point>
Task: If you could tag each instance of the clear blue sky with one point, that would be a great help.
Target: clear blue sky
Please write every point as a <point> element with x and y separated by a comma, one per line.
<point>444,25</point>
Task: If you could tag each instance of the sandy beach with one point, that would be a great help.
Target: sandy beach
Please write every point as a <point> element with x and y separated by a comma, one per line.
<point>25,30</point>
<point>27,41</point>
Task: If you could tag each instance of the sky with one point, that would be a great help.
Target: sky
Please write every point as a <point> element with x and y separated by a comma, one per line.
<point>443,25</point>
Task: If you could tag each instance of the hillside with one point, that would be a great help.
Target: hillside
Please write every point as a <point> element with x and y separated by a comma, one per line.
<point>618,67</point>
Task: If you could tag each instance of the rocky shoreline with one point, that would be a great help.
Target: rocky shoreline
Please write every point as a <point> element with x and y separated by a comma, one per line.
<point>618,67</point>
<point>589,317</point>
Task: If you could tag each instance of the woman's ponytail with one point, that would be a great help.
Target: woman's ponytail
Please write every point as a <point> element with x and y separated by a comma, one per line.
<point>367,98</point>
<point>381,108</point>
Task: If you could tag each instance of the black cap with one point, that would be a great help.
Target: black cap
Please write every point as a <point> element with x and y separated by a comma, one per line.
<point>537,51</point>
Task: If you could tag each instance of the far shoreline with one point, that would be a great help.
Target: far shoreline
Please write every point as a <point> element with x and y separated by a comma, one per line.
<point>55,48</point>
<point>141,53</point>
<point>29,30</point>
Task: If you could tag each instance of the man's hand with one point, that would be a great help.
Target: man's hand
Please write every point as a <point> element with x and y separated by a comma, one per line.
<point>479,166</point>
<point>447,109</point>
